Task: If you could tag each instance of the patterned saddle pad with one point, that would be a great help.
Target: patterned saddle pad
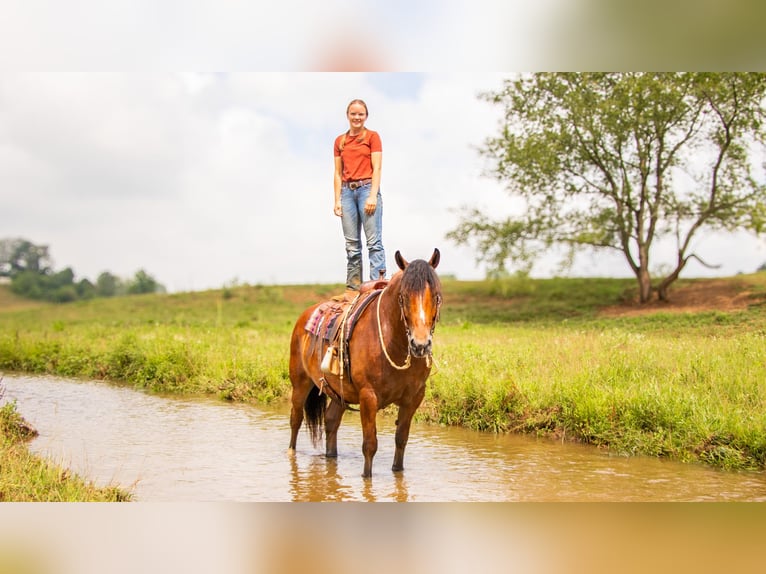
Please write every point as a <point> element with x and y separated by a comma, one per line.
<point>326,319</point>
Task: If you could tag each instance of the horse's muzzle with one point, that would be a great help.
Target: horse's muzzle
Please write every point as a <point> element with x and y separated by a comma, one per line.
<point>420,350</point>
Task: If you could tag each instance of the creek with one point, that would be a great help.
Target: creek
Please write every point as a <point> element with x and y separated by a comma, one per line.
<point>180,449</point>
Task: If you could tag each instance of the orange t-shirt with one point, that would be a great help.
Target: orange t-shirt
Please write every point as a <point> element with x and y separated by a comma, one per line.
<point>356,155</point>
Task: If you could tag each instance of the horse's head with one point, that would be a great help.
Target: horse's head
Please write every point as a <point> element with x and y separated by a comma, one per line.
<point>420,299</point>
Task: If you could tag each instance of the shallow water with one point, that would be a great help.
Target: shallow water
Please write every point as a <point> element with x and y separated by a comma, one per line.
<point>171,449</point>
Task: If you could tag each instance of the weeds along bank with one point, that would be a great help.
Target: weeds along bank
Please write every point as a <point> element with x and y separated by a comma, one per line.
<point>196,343</point>
<point>692,397</point>
<point>532,357</point>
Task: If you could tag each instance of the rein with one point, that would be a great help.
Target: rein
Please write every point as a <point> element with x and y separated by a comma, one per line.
<point>408,361</point>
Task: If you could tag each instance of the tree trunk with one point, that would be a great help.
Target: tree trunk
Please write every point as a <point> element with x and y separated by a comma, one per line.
<point>644,285</point>
<point>662,291</point>
<point>662,288</point>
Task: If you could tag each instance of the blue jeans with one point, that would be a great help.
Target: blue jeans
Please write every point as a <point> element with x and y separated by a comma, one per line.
<point>353,220</point>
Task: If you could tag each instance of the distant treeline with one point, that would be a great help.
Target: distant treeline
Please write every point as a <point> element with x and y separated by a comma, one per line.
<point>29,268</point>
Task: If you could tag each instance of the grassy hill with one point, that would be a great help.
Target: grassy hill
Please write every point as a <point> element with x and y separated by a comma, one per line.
<point>490,301</point>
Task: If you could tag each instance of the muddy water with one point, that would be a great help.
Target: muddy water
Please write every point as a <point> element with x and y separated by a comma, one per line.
<point>170,449</point>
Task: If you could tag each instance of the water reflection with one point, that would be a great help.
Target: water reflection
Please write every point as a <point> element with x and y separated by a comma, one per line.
<point>315,478</point>
<point>166,449</point>
<point>318,481</point>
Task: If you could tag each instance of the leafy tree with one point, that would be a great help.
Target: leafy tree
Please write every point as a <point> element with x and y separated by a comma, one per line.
<point>29,284</point>
<point>144,283</point>
<point>108,285</point>
<point>57,287</point>
<point>63,278</point>
<point>62,294</point>
<point>85,289</point>
<point>619,160</point>
<point>29,267</point>
<point>18,255</point>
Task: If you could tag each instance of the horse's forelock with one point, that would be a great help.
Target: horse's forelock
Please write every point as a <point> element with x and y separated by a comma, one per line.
<point>416,276</point>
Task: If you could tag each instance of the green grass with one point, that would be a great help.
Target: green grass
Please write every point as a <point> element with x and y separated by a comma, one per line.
<point>698,398</point>
<point>517,355</point>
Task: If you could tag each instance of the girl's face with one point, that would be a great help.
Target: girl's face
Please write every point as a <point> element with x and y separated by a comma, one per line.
<point>357,115</point>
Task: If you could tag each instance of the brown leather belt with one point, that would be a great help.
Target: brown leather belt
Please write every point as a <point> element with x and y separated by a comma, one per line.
<point>355,184</point>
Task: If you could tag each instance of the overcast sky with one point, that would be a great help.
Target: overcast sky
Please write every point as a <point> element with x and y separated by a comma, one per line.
<point>207,179</point>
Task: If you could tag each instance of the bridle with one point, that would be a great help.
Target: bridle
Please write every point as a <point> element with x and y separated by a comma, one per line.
<point>408,360</point>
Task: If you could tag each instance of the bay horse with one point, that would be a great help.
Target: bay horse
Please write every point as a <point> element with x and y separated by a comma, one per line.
<point>387,361</point>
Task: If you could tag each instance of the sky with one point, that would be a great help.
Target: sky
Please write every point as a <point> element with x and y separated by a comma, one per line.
<point>212,179</point>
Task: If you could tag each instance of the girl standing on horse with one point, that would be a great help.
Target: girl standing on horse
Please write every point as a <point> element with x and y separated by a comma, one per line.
<point>358,156</point>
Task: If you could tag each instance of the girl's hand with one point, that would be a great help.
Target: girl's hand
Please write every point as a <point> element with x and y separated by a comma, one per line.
<point>371,204</point>
<point>338,209</point>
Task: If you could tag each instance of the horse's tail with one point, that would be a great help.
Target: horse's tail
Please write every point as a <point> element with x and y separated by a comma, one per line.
<point>314,407</point>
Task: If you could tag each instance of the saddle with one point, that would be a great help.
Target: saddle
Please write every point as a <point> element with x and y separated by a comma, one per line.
<point>332,323</point>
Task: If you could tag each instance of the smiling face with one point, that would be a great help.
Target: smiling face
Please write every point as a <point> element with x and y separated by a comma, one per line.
<point>357,115</point>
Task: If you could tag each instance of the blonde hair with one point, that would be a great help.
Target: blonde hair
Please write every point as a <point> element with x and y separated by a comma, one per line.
<point>361,103</point>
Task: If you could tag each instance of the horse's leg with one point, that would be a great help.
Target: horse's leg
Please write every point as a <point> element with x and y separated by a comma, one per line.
<point>368,409</point>
<point>301,383</point>
<point>403,421</point>
<point>332,418</point>
<point>301,386</point>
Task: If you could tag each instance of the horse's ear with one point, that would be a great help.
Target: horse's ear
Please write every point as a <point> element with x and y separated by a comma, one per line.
<point>435,258</point>
<point>400,261</point>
